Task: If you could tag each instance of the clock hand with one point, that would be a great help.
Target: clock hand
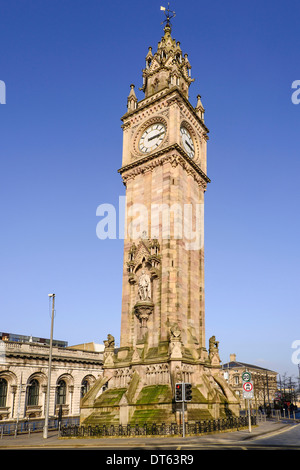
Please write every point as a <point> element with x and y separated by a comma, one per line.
<point>157,135</point>
<point>189,145</point>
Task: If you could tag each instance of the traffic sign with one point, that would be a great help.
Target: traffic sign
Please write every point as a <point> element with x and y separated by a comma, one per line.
<point>246,376</point>
<point>248,386</point>
<point>248,391</point>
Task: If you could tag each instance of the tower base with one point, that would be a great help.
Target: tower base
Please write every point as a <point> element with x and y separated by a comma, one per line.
<point>140,390</point>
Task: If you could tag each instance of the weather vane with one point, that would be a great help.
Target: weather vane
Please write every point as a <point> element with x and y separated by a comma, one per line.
<point>169,14</point>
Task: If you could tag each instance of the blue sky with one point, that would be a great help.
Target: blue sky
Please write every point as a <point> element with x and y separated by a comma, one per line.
<point>68,66</point>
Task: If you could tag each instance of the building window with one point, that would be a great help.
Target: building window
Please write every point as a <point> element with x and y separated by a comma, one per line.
<point>61,393</point>
<point>3,392</point>
<point>236,380</point>
<point>33,393</point>
<point>84,388</point>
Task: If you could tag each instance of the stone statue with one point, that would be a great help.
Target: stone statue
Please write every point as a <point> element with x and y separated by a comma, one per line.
<point>108,354</point>
<point>213,344</point>
<point>110,342</point>
<point>144,287</point>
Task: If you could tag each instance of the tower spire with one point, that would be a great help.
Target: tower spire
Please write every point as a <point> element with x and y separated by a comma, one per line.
<point>166,68</point>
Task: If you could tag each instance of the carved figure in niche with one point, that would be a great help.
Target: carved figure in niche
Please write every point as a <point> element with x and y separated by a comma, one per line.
<point>144,287</point>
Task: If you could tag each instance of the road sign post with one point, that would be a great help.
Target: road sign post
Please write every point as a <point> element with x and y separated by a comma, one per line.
<point>248,392</point>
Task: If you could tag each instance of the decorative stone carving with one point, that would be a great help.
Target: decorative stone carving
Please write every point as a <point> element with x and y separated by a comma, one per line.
<point>157,374</point>
<point>147,253</point>
<point>213,345</point>
<point>146,249</point>
<point>136,356</point>
<point>214,351</point>
<point>159,158</point>
<point>122,377</point>
<point>175,346</point>
<point>109,348</point>
<point>110,342</point>
<point>143,310</point>
<point>175,333</point>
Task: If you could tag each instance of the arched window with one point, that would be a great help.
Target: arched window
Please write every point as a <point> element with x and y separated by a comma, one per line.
<point>3,392</point>
<point>61,393</point>
<point>33,393</point>
<point>84,387</point>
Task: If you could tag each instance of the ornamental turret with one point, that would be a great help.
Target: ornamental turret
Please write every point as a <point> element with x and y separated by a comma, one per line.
<point>167,68</point>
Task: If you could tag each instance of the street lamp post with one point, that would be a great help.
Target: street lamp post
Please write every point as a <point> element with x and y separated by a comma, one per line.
<point>45,430</point>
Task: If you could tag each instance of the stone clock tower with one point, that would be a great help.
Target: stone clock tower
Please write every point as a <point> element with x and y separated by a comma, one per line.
<point>163,314</point>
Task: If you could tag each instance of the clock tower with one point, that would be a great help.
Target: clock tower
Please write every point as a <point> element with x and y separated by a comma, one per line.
<point>162,338</point>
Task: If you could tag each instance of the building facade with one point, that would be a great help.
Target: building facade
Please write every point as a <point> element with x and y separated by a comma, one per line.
<point>264,382</point>
<point>24,378</point>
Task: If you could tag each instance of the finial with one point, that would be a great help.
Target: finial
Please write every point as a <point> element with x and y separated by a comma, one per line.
<point>199,108</point>
<point>132,99</point>
<point>168,17</point>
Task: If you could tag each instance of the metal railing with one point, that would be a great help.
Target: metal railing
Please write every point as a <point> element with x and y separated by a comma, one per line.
<point>285,415</point>
<point>278,415</point>
<point>34,425</point>
<point>173,429</point>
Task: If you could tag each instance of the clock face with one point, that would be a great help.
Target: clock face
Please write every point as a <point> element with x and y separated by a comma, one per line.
<point>187,142</point>
<point>152,137</point>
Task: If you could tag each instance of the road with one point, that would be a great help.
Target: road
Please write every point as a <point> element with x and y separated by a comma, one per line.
<point>267,436</point>
<point>288,438</point>
<point>285,439</point>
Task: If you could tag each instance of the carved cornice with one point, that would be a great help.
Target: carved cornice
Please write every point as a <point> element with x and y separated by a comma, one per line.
<point>38,352</point>
<point>173,154</point>
<point>146,102</point>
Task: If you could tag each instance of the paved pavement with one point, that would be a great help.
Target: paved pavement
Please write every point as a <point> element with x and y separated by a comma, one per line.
<point>36,440</point>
